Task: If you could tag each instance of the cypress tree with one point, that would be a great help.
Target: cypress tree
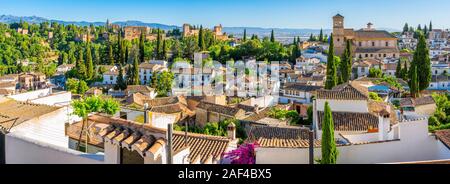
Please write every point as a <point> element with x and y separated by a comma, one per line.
<point>405,71</point>
<point>120,84</point>
<point>119,47</point>
<point>164,50</point>
<point>158,45</point>
<point>398,70</point>
<point>110,54</point>
<point>135,72</point>
<point>414,83</point>
<point>405,28</point>
<point>425,30</point>
<point>80,66</point>
<point>419,27</point>
<point>126,55</point>
<point>421,61</point>
<point>329,151</point>
<point>141,48</point>
<point>346,63</point>
<point>272,36</point>
<point>89,63</point>
<point>245,35</point>
<point>201,39</point>
<point>331,68</point>
<point>321,35</point>
<point>431,26</point>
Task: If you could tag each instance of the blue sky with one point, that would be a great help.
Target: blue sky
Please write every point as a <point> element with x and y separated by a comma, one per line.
<point>258,13</point>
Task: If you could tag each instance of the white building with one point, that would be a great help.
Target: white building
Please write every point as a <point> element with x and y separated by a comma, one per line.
<point>147,70</point>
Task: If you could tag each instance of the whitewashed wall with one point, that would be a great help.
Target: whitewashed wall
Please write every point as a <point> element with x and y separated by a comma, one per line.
<point>20,150</point>
<point>32,95</point>
<point>63,98</point>
<point>343,105</point>
<point>415,145</point>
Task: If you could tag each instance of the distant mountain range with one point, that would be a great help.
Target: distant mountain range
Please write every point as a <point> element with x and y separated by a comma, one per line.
<point>280,33</point>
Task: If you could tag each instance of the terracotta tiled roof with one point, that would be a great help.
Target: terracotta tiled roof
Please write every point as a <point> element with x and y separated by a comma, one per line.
<point>23,111</point>
<point>169,105</point>
<point>263,114</point>
<point>373,34</point>
<point>149,140</point>
<point>350,121</point>
<point>416,102</point>
<point>280,137</point>
<point>231,111</point>
<point>444,137</point>
<point>138,88</point>
<point>347,91</point>
<point>302,87</point>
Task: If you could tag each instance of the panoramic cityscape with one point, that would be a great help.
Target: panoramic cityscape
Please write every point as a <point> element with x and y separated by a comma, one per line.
<point>198,83</point>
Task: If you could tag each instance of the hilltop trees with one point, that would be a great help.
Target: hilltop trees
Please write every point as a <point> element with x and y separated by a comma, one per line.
<point>331,80</point>
<point>80,66</point>
<point>329,151</point>
<point>421,62</point>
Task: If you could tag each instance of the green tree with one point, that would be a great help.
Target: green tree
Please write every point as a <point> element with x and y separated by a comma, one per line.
<point>421,61</point>
<point>414,84</point>
<point>272,36</point>
<point>331,80</point>
<point>346,63</point>
<point>120,83</point>
<point>110,54</point>
<point>82,87</point>
<point>164,83</point>
<point>164,50</point>
<point>119,48</point>
<point>201,39</point>
<point>72,85</point>
<point>321,35</point>
<point>405,72</point>
<point>245,35</point>
<point>142,48</point>
<point>80,66</point>
<point>89,63</point>
<point>135,73</point>
<point>375,73</point>
<point>405,28</point>
<point>398,70</point>
<point>431,26</point>
<point>158,45</point>
<point>329,150</point>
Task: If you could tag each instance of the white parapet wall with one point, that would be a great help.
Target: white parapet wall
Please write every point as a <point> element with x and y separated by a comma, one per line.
<point>20,150</point>
<point>415,144</point>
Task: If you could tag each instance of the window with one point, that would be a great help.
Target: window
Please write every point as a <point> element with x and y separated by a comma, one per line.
<point>436,72</point>
<point>373,44</point>
<point>367,55</point>
<point>338,40</point>
<point>394,55</point>
<point>110,77</point>
<point>384,55</point>
<point>387,44</point>
<point>360,44</point>
<point>371,55</point>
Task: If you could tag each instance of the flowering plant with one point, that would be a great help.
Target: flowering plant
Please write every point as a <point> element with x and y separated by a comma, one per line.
<point>245,154</point>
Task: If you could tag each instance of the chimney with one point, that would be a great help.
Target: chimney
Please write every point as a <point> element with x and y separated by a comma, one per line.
<point>169,143</point>
<point>146,116</point>
<point>231,131</point>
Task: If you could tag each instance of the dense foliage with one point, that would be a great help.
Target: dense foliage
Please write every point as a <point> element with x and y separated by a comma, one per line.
<point>441,118</point>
